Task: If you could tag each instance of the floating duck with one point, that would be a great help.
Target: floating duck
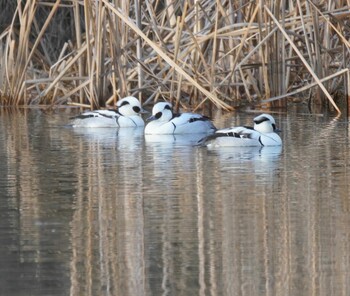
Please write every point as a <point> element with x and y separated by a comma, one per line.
<point>127,114</point>
<point>264,133</point>
<point>164,121</point>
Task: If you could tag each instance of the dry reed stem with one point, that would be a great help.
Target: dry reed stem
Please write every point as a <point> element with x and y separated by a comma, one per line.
<point>227,52</point>
<point>37,41</point>
<point>156,48</point>
<point>303,60</point>
<point>302,89</point>
<point>79,41</point>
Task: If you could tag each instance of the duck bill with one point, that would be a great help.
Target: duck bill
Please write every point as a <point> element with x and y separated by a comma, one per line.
<point>143,111</point>
<point>277,130</point>
<point>151,118</point>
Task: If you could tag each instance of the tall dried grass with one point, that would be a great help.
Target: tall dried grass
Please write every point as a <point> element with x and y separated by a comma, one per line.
<point>196,53</point>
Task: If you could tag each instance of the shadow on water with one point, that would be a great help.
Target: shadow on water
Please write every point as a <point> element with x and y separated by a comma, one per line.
<point>109,212</point>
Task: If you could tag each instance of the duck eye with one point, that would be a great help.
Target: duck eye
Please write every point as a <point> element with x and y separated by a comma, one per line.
<point>158,115</point>
<point>136,109</point>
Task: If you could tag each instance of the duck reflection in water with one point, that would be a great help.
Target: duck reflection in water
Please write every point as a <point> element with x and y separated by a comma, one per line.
<point>127,138</point>
<point>183,139</point>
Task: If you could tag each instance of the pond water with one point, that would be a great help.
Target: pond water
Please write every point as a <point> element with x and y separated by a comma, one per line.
<point>108,212</point>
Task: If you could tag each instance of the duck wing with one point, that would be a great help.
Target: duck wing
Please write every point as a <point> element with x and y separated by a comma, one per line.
<point>245,132</point>
<point>239,132</point>
<point>98,113</point>
<point>185,118</point>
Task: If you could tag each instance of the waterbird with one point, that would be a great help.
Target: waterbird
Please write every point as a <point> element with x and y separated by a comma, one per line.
<point>164,122</point>
<point>264,133</point>
<point>127,114</point>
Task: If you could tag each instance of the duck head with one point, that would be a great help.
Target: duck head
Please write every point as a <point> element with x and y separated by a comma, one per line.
<point>162,112</point>
<point>129,106</point>
<point>265,123</point>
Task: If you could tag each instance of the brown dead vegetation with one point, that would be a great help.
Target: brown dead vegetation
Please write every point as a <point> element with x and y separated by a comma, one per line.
<point>195,53</point>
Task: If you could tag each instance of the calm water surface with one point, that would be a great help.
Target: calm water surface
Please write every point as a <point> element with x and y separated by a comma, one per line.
<point>107,212</point>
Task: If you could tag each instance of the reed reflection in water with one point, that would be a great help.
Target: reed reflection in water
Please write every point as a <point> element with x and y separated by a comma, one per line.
<point>108,212</point>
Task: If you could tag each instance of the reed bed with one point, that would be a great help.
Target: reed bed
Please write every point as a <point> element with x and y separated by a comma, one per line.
<point>194,53</point>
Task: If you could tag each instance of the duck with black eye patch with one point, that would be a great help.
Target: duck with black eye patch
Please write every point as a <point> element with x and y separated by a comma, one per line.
<point>164,122</point>
<point>127,114</point>
<point>264,133</point>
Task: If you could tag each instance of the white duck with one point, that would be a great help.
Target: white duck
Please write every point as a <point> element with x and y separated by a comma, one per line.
<point>264,133</point>
<point>164,122</point>
<point>127,114</point>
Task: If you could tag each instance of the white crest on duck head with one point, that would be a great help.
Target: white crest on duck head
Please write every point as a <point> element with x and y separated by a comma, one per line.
<point>129,106</point>
<point>162,111</point>
<point>265,123</point>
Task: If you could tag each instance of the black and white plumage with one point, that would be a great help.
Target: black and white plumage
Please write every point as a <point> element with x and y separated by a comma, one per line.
<point>163,121</point>
<point>127,114</point>
<point>264,133</point>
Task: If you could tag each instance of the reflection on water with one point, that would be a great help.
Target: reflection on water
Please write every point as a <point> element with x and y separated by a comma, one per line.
<point>126,138</point>
<point>114,212</point>
<point>170,140</point>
